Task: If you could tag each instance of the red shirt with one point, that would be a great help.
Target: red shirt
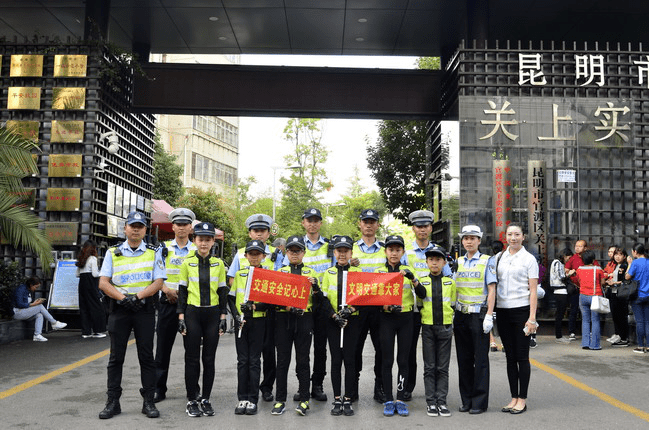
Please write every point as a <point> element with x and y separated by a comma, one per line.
<point>574,263</point>
<point>590,280</point>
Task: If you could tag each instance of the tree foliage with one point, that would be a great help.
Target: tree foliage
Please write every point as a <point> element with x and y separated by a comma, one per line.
<point>309,154</point>
<point>167,183</point>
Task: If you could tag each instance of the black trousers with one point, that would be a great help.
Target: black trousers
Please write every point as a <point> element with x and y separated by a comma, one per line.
<point>573,300</point>
<point>436,348</point>
<point>345,355</point>
<point>319,347</point>
<point>412,357</point>
<point>166,331</point>
<point>620,312</point>
<point>249,347</point>
<point>202,326</point>
<point>268,354</point>
<point>292,330</point>
<point>93,317</point>
<point>562,304</point>
<point>120,324</point>
<point>397,325</point>
<point>517,348</point>
<point>472,350</point>
<point>369,322</point>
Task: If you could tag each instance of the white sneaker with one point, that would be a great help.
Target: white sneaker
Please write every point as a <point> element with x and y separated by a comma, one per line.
<point>99,335</point>
<point>86,336</point>
<point>572,336</point>
<point>614,338</point>
<point>39,338</point>
<point>58,325</point>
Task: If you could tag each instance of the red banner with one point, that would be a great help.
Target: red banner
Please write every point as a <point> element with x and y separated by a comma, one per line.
<point>278,288</point>
<point>374,289</point>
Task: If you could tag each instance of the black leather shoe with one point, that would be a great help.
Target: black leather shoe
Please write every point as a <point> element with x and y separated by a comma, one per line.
<point>465,408</point>
<point>318,393</point>
<point>112,408</point>
<point>379,395</point>
<point>267,396</point>
<point>158,397</point>
<point>149,409</point>
<point>477,411</point>
<point>296,397</point>
<point>407,396</point>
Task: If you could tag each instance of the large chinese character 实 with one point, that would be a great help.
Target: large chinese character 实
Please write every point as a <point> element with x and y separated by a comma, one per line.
<point>589,67</point>
<point>555,125</point>
<point>499,122</point>
<point>528,64</point>
<point>610,121</point>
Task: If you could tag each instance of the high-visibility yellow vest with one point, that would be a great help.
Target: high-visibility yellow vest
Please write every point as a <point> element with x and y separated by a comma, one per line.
<point>407,292</point>
<point>448,300</point>
<point>308,272</point>
<point>189,277</point>
<point>173,263</point>
<point>369,262</point>
<point>318,259</point>
<point>470,283</point>
<point>330,285</point>
<point>419,264</point>
<point>133,274</point>
<point>239,289</point>
<point>265,264</point>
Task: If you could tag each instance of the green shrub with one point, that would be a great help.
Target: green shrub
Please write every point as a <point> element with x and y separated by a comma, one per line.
<point>11,276</point>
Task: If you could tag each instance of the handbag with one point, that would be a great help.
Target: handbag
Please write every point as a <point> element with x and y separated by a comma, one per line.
<point>599,304</point>
<point>627,290</point>
<point>571,288</point>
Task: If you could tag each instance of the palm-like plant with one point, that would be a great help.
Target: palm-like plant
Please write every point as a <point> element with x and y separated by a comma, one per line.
<point>18,224</point>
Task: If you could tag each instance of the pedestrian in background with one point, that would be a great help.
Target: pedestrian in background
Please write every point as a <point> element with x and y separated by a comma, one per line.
<point>25,308</point>
<point>639,270</point>
<point>557,275</point>
<point>93,317</point>
<point>619,306</point>
<point>591,283</point>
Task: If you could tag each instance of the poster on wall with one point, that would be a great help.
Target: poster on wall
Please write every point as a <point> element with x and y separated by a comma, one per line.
<point>111,226</point>
<point>64,293</point>
<point>110,199</point>
<point>63,199</point>
<point>64,98</point>
<point>126,203</point>
<point>61,233</point>
<point>119,195</point>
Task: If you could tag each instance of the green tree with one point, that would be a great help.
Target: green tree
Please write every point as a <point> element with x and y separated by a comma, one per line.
<point>18,224</point>
<point>429,63</point>
<point>167,184</point>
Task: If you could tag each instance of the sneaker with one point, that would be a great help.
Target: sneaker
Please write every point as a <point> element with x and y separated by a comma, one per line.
<point>572,336</point>
<point>58,325</point>
<point>192,409</point>
<point>39,338</point>
<point>533,342</point>
<point>639,350</point>
<point>620,343</point>
<point>98,335</point>
<point>347,408</point>
<point>207,408</point>
<point>296,397</point>
<point>431,411</point>
<point>267,396</point>
<point>388,409</point>
<point>302,408</point>
<point>86,336</point>
<point>251,409</point>
<point>278,409</point>
<point>443,410</point>
<point>614,338</point>
<point>337,408</point>
<point>562,340</point>
<point>402,408</point>
<point>241,407</point>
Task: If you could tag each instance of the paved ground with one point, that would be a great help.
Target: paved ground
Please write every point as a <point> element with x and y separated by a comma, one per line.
<point>61,385</point>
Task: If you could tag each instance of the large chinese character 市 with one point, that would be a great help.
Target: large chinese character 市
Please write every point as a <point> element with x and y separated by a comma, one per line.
<point>376,289</point>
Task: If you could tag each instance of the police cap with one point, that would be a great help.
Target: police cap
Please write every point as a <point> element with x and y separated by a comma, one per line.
<point>369,214</point>
<point>136,217</point>
<point>295,241</point>
<point>421,218</point>
<point>342,242</point>
<point>182,216</point>
<point>204,229</point>
<point>259,221</point>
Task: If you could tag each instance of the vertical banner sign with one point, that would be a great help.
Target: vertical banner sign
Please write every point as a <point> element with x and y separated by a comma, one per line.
<point>502,197</point>
<point>536,174</point>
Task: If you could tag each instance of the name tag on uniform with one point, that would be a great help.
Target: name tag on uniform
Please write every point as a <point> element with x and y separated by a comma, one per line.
<point>193,264</point>
<point>425,283</point>
<point>243,274</point>
<point>214,264</point>
<point>448,282</point>
<point>332,271</point>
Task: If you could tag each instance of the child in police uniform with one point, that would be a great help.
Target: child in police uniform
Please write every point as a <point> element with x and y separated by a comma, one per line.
<point>438,294</point>
<point>251,324</point>
<point>202,308</point>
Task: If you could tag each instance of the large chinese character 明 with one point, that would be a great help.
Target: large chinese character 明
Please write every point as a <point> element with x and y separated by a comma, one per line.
<point>499,122</point>
<point>589,67</point>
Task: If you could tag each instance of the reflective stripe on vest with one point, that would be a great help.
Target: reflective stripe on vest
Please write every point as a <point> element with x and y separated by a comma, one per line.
<point>318,259</point>
<point>447,303</point>
<point>419,264</point>
<point>133,274</point>
<point>470,282</point>
<point>239,288</point>
<point>407,292</point>
<point>265,264</point>
<point>306,272</point>
<point>369,262</point>
<point>330,286</point>
<point>173,263</point>
<point>217,280</point>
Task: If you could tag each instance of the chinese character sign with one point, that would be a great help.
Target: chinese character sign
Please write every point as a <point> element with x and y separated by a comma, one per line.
<point>26,129</point>
<point>67,131</point>
<point>502,197</point>
<point>278,288</point>
<point>536,185</point>
<point>63,199</point>
<point>24,98</point>
<point>374,289</point>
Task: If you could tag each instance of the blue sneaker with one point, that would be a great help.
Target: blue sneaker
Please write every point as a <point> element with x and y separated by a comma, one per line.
<point>402,408</point>
<point>388,409</point>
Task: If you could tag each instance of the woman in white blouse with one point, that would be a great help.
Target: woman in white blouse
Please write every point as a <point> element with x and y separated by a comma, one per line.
<point>93,316</point>
<point>518,275</point>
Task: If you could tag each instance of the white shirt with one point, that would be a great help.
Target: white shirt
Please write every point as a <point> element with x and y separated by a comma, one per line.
<point>514,273</point>
<point>557,272</point>
<point>90,267</point>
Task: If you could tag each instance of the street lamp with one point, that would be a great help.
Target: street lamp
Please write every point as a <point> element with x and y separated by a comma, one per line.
<point>275,170</point>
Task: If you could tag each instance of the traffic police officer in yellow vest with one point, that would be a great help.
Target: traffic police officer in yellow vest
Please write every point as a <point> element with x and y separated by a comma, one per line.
<point>131,275</point>
<point>174,252</point>
<point>476,282</point>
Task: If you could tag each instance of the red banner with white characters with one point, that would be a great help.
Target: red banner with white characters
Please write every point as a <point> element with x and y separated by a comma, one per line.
<point>374,289</point>
<point>278,288</point>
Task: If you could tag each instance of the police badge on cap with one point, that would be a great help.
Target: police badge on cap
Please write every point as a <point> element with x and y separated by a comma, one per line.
<point>369,214</point>
<point>295,241</point>
<point>182,216</point>
<point>312,212</point>
<point>204,229</point>
<point>136,217</point>
<point>255,245</point>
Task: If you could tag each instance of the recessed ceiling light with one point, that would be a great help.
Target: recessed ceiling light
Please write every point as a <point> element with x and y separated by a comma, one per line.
<point>360,39</point>
<point>213,18</point>
<point>362,19</point>
<point>223,38</point>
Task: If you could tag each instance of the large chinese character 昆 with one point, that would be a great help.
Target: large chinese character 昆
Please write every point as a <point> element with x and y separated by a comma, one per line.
<point>555,125</point>
<point>528,64</point>
<point>589,67</point>
<point>498,122</point>
<point>610,121</point>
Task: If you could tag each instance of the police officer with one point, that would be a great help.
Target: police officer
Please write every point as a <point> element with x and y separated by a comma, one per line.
<point>258,226</point>
<point>174,252</point>
<point>475,281</point>
<point>415,257</point>
<point>131,275</point>
<point>369,255</point>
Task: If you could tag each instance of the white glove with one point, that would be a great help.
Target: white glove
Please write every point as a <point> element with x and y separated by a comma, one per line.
<point>488,323</point>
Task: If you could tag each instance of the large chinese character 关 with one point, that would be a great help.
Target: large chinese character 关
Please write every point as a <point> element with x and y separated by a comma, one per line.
<point>610,121</point>
<point>555,125</point>
<point>589,67</point>
<point>643,69</point>
<point>528,64</point>
<point>499,122</point>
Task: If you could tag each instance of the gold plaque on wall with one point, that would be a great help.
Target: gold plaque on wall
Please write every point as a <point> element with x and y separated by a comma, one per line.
<point>24,98</point>
<point>63,199</point>
<point>61,233</point>
<point>67,131</point>
<point>26,65</point>
<point>26,129</point>
<point>68,98</point>
<point>25,198</point>
<point>70,66</point>
<point>64,165</point>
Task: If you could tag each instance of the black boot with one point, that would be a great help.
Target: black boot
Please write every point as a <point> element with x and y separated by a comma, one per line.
<point>318,393</point>
<point>112,408</point>
<point>379,394</point>
<point>148,406</point>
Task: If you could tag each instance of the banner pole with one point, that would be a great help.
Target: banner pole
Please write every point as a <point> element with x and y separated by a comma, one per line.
<point>343,303</point>
<point>246,295</point>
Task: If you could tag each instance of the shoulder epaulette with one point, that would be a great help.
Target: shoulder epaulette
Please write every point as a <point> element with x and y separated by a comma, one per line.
<point>381,243</point>
<point>153,247</point>
<point>325,239</point>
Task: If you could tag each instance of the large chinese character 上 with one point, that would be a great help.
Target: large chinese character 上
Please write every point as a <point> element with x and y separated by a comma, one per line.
<point>555,125</point>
